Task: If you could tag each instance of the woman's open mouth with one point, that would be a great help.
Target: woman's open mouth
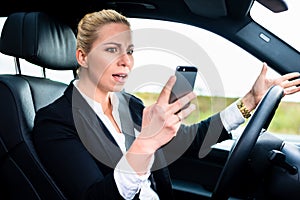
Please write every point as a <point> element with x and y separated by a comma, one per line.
<point>121,77</point>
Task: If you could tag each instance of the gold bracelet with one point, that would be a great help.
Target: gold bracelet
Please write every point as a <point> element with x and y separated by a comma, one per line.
<point>245,112</point>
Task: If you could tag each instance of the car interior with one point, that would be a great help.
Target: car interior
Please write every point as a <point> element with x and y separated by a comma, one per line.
<point>32,33</point>
<point>258,166</point>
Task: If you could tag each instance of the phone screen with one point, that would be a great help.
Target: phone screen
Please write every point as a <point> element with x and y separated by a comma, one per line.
<point>185,80</point>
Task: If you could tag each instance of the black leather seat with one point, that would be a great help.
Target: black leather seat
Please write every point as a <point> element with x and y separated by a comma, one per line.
<point>49,44</point>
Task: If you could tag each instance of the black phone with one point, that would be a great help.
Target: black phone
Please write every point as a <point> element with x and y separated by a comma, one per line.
<point>185,81</point>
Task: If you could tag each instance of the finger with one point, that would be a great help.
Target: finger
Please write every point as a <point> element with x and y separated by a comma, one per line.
<point>166,91</point>
<point>181,102</point>
<point>289,76</point>
<point>291,90</point>
<point>287,84</point>
<point>263,72</point>
<point>264,69</point>
<point>178,117</point>
<point>186,112</point>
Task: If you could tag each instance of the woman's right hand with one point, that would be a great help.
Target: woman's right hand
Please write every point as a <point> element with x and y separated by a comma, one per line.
<point>162,120</point>
<point>160,124</point>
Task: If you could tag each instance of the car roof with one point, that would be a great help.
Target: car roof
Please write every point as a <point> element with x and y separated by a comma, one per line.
<point>227,18</point>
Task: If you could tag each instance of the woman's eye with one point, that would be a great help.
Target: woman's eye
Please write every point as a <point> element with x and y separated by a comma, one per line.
<point>112,50</point>
<point>130,52</point>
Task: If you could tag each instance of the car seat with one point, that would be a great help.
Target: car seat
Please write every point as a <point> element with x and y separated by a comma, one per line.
<point>43,41</point>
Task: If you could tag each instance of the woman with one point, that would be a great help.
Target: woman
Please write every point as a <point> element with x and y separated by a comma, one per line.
<point>99,142</point>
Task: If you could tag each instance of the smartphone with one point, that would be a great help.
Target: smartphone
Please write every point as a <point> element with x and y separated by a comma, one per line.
<point>185,81</point>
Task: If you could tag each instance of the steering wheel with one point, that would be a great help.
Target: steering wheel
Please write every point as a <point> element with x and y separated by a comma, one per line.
<point>240,152</point>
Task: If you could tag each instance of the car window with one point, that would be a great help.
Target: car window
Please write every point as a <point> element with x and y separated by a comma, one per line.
<point>237,68</point>
<point>7,66</point>
<point>6,62</point>
<point>226,56</point>
<point>283,24</point>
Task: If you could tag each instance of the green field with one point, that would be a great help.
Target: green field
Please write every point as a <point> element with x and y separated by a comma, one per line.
<point>286,119</point>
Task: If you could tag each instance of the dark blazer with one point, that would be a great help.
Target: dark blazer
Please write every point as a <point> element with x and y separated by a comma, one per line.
<point>80,154</point>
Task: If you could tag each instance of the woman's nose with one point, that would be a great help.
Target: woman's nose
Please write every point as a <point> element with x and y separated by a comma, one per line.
<point>125,60</point>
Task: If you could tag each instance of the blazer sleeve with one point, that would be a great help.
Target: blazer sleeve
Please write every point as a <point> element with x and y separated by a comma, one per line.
<point>196,140</point>
<point>72,167</point>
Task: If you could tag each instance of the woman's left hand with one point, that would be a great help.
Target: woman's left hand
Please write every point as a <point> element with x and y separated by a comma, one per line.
<point>289,82</point>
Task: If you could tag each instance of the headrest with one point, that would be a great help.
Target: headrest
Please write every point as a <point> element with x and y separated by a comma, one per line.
<point>39,39</point>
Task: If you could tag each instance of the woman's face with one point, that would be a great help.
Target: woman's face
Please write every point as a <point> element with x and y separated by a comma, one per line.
<point>110,59</point>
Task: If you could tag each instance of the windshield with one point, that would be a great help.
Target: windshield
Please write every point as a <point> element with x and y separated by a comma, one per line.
<point>284,24</point>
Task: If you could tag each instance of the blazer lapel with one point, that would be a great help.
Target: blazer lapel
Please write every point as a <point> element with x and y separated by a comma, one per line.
<point>126,120</point>
<point>92,132</point>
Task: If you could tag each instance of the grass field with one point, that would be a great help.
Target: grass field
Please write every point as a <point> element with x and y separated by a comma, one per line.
<point>286,119</point>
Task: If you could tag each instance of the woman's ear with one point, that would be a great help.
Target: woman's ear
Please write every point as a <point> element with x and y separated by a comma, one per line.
<point>81,58</point>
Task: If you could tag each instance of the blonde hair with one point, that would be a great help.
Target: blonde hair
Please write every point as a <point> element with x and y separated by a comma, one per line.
<point>90,24</point>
